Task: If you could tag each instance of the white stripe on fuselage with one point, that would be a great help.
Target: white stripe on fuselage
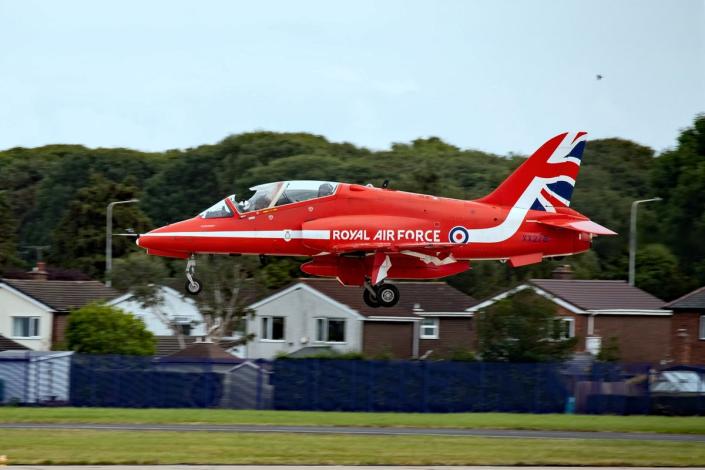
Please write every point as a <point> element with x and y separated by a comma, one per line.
<point>293,234</point>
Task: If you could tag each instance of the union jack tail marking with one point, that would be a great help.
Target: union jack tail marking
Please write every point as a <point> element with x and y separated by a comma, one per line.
<point>546,179</point>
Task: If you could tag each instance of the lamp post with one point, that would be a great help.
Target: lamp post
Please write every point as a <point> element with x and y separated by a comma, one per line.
<point>109,238</point>
<point>632,237</point>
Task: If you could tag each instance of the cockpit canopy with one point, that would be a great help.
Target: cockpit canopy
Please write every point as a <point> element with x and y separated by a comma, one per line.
<point>271,195</point>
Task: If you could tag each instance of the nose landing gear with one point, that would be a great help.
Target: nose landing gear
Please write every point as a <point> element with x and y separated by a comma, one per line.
<point>382,295</point>
<point>193,285</point>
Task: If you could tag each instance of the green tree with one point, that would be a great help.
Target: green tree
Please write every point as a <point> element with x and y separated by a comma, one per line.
<point>679,178</point>
<point>221,302</point>
<point>522,328</point>
<point>609,352</point>
<point>8,235</point>
<point>657,272</point>
<point>99,329</point>
<point>79,238</point>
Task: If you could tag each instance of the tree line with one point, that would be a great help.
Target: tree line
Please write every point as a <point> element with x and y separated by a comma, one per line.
<point>53,199</point>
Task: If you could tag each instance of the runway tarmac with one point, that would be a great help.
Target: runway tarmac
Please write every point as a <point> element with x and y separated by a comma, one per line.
<point>311,467</point>
<point>500,433</point>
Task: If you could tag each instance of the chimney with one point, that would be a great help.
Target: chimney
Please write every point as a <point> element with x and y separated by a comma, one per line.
<point>39,272</point>
<point>563,272</point>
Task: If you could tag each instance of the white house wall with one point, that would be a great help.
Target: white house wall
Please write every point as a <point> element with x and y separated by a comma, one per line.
<point>174,305</point>
<point>300,308</point>
<point>13,305</point>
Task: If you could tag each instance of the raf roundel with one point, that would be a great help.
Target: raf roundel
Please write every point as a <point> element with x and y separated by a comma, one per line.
<point>458,235</point>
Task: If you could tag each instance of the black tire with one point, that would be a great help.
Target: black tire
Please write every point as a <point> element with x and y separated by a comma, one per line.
<point>370,300</point>
<point>193,288</point>
<point>387,295</point>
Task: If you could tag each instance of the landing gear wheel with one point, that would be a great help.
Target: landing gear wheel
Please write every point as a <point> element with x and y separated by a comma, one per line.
<point>193,286</point>
<point>387,295</point>
<point>370,299</point>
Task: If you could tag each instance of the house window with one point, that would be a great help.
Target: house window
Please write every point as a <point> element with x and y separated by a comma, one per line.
<point>273,328</point>
<point>330,330</point>
<point>563,328</point>
<point>429,328</point>
<point>25,327</point>
<point>702,327</point>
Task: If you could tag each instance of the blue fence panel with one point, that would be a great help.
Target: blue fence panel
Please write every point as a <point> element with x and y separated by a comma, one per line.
<point>345,385</point>
<point>137,382</point>
<point>418,386</point>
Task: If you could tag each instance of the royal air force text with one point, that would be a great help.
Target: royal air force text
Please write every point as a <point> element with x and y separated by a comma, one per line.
<point>388,235</point>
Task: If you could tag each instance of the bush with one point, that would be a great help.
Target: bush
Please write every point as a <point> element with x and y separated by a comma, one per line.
<point>100,329</point>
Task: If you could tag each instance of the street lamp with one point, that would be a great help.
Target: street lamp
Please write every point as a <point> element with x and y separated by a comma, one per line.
<point>109,238</point>
<point>632,237</point>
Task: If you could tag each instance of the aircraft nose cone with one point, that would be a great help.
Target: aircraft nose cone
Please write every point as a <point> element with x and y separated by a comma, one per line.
<point>171,240</point>
<point>146,240</point>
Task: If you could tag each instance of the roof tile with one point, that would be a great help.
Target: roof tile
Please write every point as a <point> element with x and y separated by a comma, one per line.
<point>6,344</point>
<point>600,294</point>
<point>414,297</point>
<point>63,296</point>
<point>693,300</point>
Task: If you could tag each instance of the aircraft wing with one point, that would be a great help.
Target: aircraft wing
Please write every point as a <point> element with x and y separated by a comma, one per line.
<point>579,225</point>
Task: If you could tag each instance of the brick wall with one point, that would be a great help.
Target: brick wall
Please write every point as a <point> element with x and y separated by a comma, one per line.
<point>58,330</point>
<point>385,338</point>
<point>641,338</point>
<point>454,334</point>
<point>686,346</point>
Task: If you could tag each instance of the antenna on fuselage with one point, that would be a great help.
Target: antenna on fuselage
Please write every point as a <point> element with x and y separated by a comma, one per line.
<point>385,184</point>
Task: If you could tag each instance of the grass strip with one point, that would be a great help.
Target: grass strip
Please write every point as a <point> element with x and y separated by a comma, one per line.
<point>31,447</point>
<point>546,422</point>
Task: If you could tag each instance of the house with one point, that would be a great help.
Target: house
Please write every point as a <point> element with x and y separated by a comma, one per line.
<point>430,320</point>
<point>688,328</point>
<point>34,312</point>
<point>175,308</point>
<point>181,309</point>
<point>600,311</point>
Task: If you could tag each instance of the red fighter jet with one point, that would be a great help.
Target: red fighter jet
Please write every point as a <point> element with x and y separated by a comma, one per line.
<point>364,235</point>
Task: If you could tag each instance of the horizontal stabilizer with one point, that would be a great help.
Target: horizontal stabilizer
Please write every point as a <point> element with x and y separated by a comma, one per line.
<point>579,225</point>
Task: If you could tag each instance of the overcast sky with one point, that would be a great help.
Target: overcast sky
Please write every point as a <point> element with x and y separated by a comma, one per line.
<point>500,76</point>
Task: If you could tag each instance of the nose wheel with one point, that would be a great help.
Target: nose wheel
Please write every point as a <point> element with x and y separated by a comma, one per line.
<point>193,285</point>
<point>383,295</point>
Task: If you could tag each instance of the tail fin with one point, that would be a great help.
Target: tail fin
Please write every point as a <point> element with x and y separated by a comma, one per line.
<point>546,179</point>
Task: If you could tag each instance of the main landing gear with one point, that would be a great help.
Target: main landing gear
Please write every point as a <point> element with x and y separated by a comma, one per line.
<point>193,285</point>
<point>384,295</point>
